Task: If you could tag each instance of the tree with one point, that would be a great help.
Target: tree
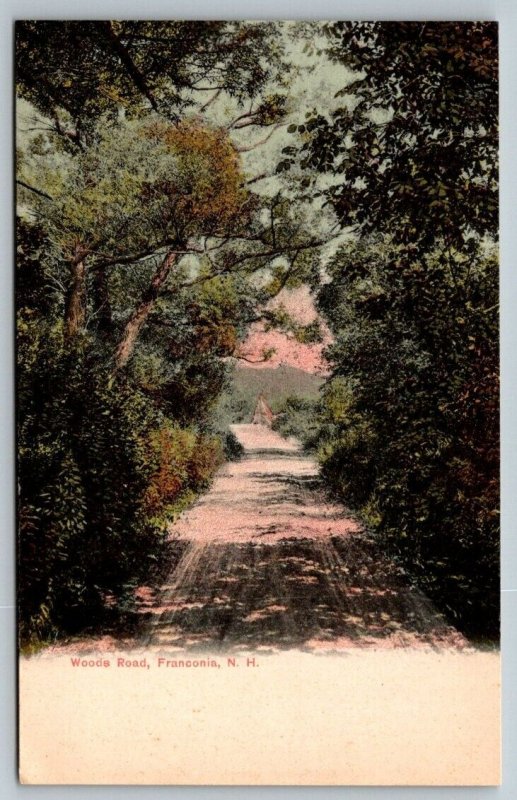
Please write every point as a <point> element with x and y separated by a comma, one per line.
<point>415,141</point>
<point>137,76</point>
<point>139,189</point>
<point>145,189</point>
<point>205,198</point>
<point>144,256</point>
<point>76,73</point>
<point>409,432</point>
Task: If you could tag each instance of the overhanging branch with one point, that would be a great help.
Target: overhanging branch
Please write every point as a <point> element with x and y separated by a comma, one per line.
<point>33,189</point>
<point>261,141</point>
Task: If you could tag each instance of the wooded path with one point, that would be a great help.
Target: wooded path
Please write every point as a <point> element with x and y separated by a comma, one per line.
<point>267,563</point>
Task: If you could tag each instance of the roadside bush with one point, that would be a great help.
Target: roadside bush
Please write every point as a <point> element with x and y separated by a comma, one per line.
<point>82,474</point>
<point>409,432</point>
<point>105,459</point>
<point>233,449</point>
<point>184,463</point>
<point>297,417</point>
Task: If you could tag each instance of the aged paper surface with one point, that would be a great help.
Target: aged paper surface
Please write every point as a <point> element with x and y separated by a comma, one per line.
<point>257,340</point>
<point>379,718</point>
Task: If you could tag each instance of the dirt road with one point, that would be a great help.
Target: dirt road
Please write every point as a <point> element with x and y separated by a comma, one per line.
<point>268,564</point>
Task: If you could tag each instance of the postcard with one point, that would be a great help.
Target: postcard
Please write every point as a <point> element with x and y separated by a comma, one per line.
<point>257,402</point>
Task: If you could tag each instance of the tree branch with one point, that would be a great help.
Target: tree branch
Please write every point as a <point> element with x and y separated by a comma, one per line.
<point>33,189</point>
<point>210,101</point>
<point>74,136</point>
<point>260,177</point>
<point>132,70</point>
<point>248,149</point>
<point>267,357</point>
<point>131,258</point>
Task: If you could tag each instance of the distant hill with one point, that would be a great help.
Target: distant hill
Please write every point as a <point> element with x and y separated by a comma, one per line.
<point>275,383</point>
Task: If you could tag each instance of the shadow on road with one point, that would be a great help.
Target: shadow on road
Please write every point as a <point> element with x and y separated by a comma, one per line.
<point>304,593</point>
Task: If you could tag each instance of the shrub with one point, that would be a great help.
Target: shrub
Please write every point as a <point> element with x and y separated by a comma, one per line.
<point>409,430</point>
<point>233,449</point>
<point>184,462</point>
<point>297,416</point>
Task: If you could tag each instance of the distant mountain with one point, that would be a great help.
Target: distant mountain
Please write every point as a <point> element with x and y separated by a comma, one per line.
<point>276,384</point>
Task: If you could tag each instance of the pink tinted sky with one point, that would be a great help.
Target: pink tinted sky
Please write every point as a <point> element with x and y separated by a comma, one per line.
<point>309,357</point>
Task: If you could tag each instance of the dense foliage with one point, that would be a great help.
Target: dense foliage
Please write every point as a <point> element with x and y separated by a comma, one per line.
<point>105,460</point>
<point>410,416</point>
<point>298,416</point>
<point>414,141</point>
<point>137,244</point>
<point>410,430</point>
<point>78,72</point>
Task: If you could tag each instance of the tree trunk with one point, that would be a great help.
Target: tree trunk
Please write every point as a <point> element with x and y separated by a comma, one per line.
<point>142,311</point>
<point>75,314</point>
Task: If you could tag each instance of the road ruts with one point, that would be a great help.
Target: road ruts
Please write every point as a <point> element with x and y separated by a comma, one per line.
<point>267,563</point>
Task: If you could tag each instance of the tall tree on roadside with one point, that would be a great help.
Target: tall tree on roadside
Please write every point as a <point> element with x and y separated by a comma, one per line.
<point>415,141</point>
<point>409,416</point>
